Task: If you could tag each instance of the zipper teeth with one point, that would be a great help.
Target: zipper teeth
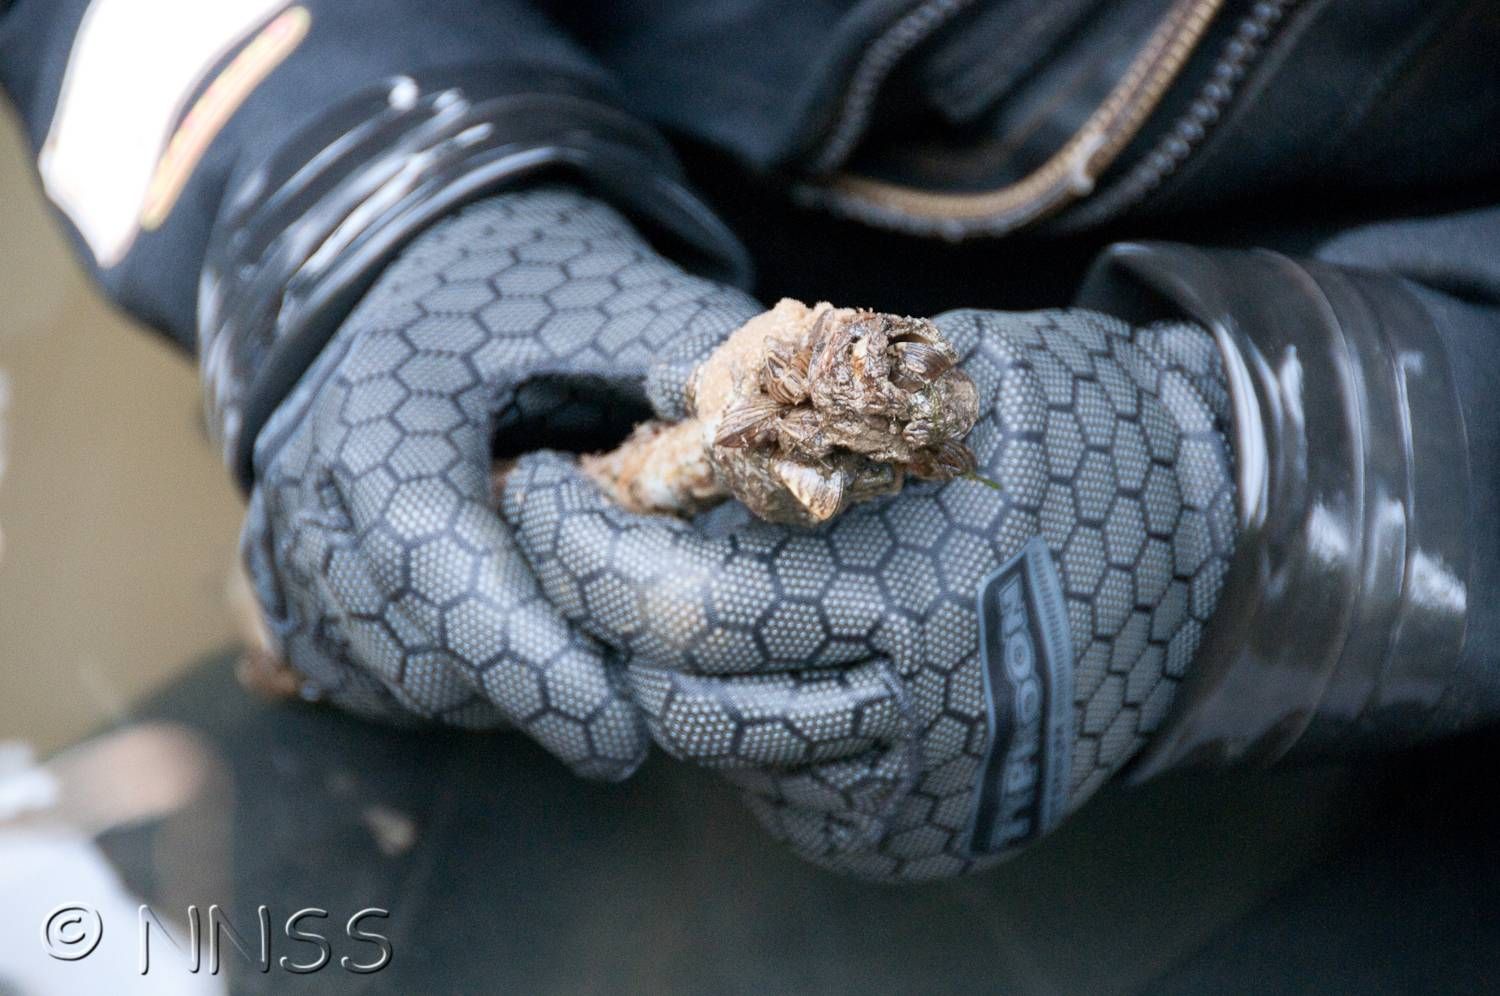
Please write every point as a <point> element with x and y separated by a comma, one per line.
<point>1069,174</point>
<point>1190,130</point>
<point>1175,51</point>
<point>879,61</point>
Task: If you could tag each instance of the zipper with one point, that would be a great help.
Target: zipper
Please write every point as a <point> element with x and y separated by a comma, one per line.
<point>1068,176</point>
<point>1189,131</point>
<point>877,63</point>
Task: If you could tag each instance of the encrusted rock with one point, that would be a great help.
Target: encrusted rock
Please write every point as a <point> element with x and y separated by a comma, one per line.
<point>802,412</point>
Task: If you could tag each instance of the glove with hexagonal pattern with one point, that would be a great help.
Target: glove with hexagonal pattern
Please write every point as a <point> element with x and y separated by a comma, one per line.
<point>936,677</point>
<point>385,575</point>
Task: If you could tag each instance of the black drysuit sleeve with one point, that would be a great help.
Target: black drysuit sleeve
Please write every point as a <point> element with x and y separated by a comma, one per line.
<point>235,173</point>
<point>1359,609</point>
<point>1450,265</point>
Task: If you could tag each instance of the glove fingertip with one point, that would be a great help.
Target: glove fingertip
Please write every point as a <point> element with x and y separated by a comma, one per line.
<point>702,326</point>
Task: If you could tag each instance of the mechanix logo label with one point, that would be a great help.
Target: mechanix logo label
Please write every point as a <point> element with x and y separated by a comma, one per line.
<point>1026,653</point>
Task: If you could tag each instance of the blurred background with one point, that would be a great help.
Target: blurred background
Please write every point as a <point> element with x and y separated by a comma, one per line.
<point>118,522</point>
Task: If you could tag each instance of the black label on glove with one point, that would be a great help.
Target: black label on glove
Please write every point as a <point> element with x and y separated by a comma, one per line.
<point>1027,656</point>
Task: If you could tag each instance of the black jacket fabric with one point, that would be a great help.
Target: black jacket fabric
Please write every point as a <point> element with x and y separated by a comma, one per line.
<point>1357,135</point>
<point>1327,114</point>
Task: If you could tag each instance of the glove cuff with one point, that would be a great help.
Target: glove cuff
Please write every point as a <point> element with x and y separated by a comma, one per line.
<point>303,237</point>
<point>1344,611</point>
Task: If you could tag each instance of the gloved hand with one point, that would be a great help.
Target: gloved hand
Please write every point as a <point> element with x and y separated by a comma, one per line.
<point>385,574</point>
<point>935,677</point>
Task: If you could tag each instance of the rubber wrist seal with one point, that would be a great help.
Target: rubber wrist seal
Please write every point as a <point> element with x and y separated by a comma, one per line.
<point>1343,616</point>
<point>303,237</point>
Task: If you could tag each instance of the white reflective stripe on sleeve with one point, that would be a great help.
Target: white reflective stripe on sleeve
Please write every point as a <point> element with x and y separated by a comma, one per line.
<point>133,66</point>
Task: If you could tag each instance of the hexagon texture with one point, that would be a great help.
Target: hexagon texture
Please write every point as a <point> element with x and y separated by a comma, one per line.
<point>834,674</point>
<point>531,318</point>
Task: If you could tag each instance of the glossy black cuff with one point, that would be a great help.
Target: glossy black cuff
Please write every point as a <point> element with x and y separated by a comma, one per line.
<point>1344,613</point>
<point>304,236</point>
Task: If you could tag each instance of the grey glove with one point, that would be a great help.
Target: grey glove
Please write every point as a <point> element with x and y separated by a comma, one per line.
<point>384,572</point>
<point>937,677</point>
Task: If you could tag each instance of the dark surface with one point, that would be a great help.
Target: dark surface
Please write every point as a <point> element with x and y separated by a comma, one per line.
<point>1410,905</point>
<point>524,878</point>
